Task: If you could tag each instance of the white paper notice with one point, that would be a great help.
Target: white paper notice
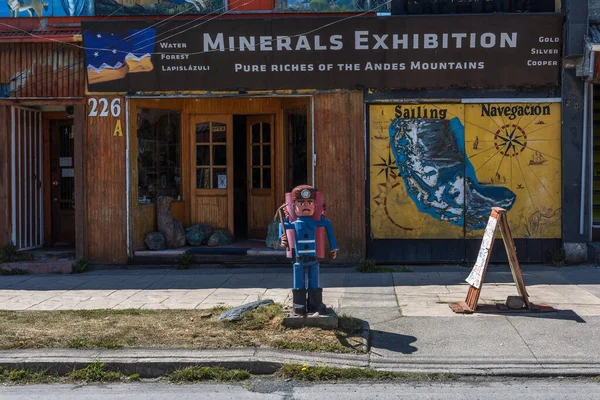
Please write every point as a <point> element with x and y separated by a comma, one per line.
<point>65,161</point>
<point>476,275</point>
<point>68,172</point>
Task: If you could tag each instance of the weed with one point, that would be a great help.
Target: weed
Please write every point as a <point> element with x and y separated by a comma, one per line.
<point>317,373</point>
<point>219,374</point>
<point>81,266</point>
<point>95,372</point>
<point>184,260</point>
<point>404,269</point>
<point>25,376</point>
<point>134,377</point>
<point>13,271</point>
<point>9,253</point>
<point>558,257</point>
<point>103,343</point>
<point>369,266</point>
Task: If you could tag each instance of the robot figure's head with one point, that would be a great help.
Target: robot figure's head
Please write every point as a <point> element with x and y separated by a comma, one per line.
<point>304,200</point>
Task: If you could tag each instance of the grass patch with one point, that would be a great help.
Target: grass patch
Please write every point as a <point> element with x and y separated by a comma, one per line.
<point>199,374</point>
<point>191,329</point>
<point>312,374</point>
<point>369,266</point>
<point>95,372</point>
<point>24,376</point>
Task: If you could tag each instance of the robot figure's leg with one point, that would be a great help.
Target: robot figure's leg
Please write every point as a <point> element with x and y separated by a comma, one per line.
<point>315,293</point>
<point>313,275</point>
<point>299,290</point>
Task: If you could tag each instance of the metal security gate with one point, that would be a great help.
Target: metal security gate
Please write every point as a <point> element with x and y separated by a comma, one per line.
<point>26,178</point>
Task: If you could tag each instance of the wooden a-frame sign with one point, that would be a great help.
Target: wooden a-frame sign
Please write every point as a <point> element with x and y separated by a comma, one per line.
<point>477,275</point>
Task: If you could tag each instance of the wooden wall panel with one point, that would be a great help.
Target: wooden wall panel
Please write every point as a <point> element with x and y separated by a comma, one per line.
<point>339,173</point>
<point>81,225</point>
<point>214,209</point>
<point>42,70</point>
<point>4,175</point>
<point>106,188</point>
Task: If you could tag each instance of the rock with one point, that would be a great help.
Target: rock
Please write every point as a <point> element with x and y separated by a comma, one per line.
<point>194,235</point>
<point>272,240</point>
<point>236,313</point>
<point>220,238</point>
<point>172,228</point>
<point>155,241</point>
<point>206,231</point>
<point>515,302</point>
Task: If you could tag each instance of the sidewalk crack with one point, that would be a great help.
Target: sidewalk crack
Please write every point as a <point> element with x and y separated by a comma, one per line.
<point>523,339</point>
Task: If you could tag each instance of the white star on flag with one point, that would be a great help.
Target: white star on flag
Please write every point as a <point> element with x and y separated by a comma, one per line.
<point>96,54</point>
<point>99,36</point>
<point>114,51</point>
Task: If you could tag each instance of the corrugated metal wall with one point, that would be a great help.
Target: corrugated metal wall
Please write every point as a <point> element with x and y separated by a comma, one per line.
<point>47,70</point>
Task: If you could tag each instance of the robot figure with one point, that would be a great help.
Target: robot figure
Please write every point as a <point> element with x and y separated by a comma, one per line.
<point>307,296</point>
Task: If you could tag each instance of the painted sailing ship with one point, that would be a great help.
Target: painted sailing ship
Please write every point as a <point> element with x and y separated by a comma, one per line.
<point>537,159</point>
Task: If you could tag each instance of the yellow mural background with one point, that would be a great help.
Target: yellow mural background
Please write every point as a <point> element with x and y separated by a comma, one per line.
<point>393,213</point>
<point>531,170</point>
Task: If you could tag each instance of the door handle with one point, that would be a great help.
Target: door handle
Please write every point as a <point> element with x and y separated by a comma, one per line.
<point>55,183</point>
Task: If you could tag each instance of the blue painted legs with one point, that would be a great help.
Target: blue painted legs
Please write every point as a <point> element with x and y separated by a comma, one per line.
<point>300,272</point>
<point>314,302</point>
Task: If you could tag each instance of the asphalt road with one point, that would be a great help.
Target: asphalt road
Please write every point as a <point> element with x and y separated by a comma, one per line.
<point>481,388</point>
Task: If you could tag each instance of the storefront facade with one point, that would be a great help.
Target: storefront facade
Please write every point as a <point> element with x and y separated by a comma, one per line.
<point>413,127</point>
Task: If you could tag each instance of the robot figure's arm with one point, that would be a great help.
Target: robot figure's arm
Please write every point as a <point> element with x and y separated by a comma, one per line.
<point>330,235</point>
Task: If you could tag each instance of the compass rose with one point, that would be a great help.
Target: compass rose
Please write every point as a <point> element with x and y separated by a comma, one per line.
<point>510,140</point>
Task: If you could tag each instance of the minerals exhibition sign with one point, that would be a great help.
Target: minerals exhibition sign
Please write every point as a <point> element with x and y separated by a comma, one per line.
<point>324,53</point>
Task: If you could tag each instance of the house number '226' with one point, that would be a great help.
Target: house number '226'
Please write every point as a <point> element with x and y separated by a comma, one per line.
<point>100,108</point>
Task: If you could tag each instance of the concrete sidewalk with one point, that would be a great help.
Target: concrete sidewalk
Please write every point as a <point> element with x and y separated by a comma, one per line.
<point>412,327</point>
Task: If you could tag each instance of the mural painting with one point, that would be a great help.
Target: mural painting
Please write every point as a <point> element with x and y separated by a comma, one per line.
<point>331,5</point>
<point>45,8</point>
<point>517,146</point>
<point>160,7</point>
<point>437,169</point>
<point>111,56</point>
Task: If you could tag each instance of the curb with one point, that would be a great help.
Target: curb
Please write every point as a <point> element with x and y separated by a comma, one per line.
<point>152,363</point>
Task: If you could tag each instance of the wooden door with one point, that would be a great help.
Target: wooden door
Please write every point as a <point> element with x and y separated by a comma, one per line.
<point>26,177</point>
<point>62,189</point>
<point>212,172</point>
<point>260,138</point>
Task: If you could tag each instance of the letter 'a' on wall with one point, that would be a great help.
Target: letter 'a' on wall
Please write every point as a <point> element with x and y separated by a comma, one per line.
<point>436,170</point>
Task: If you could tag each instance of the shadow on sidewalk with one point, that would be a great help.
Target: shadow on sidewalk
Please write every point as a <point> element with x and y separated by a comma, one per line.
<point>390,341</point>
<point>565,315</point>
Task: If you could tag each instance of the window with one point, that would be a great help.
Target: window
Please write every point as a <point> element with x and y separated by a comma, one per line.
<point>211,155</point>
<point>159,154</point>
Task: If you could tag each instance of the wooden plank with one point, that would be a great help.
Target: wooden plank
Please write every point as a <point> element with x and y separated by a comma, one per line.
<point>477,275</point>
<point>5,214</point>
<point>339,173</point>
<point>105,186</point>
<point>81,223</point>
<point>512,258</point>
